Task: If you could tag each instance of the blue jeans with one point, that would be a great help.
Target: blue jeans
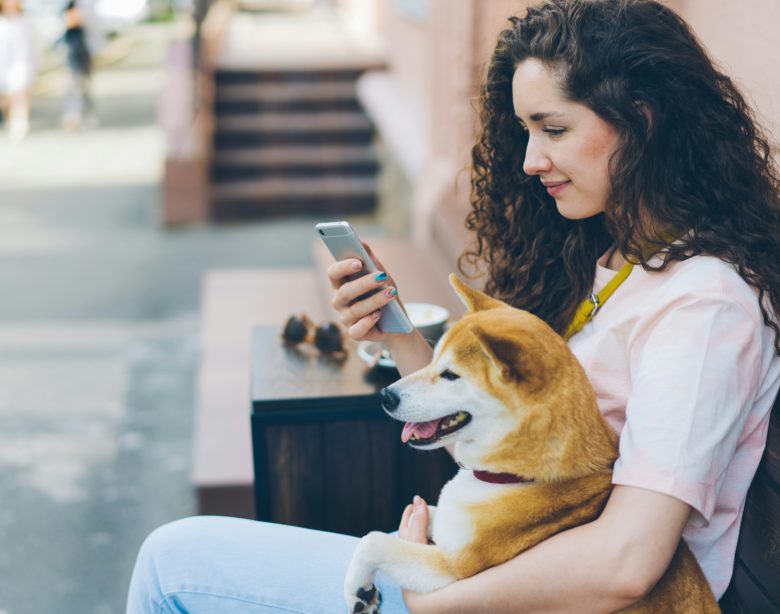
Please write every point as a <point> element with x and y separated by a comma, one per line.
<point>213,564</point>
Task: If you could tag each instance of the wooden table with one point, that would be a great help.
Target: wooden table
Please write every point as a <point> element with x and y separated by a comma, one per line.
<point>325,454</point>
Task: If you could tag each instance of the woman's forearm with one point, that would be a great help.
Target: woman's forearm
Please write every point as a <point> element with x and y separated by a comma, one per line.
<point>602,566</point>
<point>410,352</point>
<point>573,571</point>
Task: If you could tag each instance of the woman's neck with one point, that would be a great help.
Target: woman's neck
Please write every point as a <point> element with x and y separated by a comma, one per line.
<point>614,259</point>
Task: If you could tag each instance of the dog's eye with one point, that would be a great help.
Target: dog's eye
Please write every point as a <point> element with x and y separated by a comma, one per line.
<point>449,375</point>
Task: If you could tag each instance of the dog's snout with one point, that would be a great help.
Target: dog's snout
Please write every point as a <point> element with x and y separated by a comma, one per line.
<point>390,399</point>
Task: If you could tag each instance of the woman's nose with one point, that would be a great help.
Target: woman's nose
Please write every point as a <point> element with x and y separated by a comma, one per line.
<point>536,161</point>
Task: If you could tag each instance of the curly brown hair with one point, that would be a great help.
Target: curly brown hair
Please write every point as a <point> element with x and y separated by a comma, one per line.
<point>690,155</point>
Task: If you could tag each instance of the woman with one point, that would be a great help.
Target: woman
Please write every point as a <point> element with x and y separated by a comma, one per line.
<point>78,101</point>
<point>608,139</point>
<point>17,66</point>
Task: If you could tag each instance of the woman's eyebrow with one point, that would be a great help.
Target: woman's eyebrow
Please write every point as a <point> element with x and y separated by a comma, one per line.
<point>537,117</point>
<point>540,116</point>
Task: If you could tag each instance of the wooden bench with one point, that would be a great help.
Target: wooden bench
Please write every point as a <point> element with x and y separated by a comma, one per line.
<point>233,301</point>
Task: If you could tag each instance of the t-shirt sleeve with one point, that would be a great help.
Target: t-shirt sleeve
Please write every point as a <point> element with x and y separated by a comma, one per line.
<point>695,371</point>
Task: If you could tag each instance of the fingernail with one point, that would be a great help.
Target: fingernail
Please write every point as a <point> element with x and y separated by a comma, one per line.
<point>381,276</point>
<point>357,265</point>
<point>417,502</point>
<point>376,314</point>
<point>391,292</point>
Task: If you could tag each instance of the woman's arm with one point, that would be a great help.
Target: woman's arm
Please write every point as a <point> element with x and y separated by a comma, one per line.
<point>410,352</point>
<point>602,566</point>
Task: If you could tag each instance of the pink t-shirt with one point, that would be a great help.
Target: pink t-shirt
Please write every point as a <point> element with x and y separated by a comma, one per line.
<point>684,370</point>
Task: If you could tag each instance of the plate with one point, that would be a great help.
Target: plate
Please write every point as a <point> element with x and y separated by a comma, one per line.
<point>368,350</point>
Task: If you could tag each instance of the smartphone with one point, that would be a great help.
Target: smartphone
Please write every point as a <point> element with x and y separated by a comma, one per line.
<point>343,243</point>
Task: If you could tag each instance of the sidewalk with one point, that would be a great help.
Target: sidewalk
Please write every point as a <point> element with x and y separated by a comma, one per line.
<point>98,342</point>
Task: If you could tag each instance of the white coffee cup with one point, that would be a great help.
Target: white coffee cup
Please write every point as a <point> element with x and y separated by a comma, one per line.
<point>428,318</point>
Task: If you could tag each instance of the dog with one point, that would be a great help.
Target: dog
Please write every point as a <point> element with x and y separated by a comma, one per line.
<point>508,394</point>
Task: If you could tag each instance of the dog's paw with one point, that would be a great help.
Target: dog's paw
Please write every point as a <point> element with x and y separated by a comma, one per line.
<point>365,601</point>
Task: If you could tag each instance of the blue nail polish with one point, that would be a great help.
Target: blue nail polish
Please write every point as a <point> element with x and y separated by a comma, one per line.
<point>381,277</point>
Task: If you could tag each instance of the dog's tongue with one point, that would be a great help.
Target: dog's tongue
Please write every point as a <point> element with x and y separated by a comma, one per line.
<point>424,430</point>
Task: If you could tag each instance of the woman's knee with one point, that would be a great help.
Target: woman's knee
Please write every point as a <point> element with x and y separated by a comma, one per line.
<point>162,563</point>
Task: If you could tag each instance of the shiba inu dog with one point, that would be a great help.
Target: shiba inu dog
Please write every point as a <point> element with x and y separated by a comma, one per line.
<point>505,389</point>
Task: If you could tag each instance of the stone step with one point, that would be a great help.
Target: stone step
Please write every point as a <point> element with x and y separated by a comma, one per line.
<point>292,188</point>
<point>242,140</point>
<point>247,199</point>
<point>302,162</point>
<point>304,43</point>
<point>239,107</point>
<point>294,122</point>
<point>273,98</point>
<point>290,136</point>
<point>287,92</point>
<point>291,155</point>
<point>303,75</point>
<point>243,131</point>
<point>223,174</point>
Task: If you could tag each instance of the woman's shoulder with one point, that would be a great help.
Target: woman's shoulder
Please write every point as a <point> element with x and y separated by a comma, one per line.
<point>705,280</point>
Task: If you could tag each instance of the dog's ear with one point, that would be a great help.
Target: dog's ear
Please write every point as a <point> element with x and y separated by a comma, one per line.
<point>504,355</point>
<point>473,299</point>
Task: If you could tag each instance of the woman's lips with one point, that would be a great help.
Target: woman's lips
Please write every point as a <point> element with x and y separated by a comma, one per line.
<point>555,187</point>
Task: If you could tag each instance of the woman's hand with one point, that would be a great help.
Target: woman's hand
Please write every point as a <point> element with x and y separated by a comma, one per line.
<point>414,528</point>
<point>360,315</point>
<point>414,522</point>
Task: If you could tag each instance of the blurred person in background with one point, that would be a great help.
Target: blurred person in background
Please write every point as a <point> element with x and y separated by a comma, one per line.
<point>79,107</point>
<point>17,66</point>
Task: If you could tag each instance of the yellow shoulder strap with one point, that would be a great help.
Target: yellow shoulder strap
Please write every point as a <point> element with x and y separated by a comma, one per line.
<point>591,305</point>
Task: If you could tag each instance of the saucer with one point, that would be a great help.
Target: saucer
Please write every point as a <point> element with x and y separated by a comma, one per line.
<point>368,350</point>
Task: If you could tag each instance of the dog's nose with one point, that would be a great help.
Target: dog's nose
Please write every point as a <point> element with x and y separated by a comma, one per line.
<point>390,399</point>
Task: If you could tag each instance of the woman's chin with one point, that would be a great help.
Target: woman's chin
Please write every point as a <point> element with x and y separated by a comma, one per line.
<point>573,212</point>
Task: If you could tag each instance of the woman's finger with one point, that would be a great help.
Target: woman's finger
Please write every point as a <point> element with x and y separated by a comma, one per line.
<point>403,527</point>
<point>361,329</point>
<point>418,522</point>
<point>338,271</point>
<point>351,291</point>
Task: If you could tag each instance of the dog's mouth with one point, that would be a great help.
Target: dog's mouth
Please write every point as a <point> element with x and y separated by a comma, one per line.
<point>423,433</point>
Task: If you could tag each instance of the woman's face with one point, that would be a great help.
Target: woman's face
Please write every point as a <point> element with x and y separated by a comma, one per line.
<point>569,146</point>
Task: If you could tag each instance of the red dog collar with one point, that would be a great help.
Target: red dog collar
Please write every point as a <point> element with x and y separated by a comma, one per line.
<point>500,478</point>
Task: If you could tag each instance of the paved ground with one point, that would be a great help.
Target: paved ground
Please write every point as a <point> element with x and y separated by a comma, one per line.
<point>98,341</point>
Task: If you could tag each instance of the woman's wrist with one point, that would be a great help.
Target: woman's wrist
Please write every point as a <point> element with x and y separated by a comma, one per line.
<point>410,351</point>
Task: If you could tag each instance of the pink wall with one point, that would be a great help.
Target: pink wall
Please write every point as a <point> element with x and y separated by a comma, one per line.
<point>743,39</point>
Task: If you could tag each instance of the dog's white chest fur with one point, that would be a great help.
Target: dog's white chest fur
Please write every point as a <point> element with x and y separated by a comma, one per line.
<point>455,523</point>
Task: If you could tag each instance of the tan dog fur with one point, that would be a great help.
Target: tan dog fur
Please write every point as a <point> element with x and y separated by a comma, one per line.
<point>534,414</point>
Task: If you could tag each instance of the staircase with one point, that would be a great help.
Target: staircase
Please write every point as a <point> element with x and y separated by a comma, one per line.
<point>289,142</point>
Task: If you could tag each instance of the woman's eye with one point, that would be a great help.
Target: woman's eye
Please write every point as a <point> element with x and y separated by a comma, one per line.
<point>449,375</point>
<point>553,131</point>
